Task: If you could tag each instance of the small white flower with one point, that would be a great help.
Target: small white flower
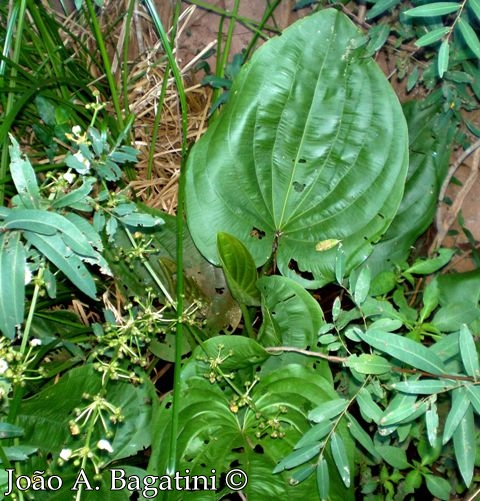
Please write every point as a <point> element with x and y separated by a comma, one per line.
<point>84,161</point>
<point>65,454</point>
<point>69,177</point>
<point>35,342</point>
<point>104,445</point>
<point>3,366</point>
<point>77,130</point>
<point>28,275</point>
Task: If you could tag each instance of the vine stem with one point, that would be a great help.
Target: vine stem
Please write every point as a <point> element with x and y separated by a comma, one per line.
<point>180,289</point>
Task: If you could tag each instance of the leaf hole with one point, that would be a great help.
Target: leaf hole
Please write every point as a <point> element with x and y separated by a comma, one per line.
<point>220,290</point>
<point>293,265</point>
<point>258,449</point>
<point>298,187</point>
<point>302,161</point>
<point>257,233</point>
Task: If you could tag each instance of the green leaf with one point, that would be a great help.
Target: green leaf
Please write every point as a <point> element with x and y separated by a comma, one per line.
<point>368,364</point>
<point>394,456</point>
<point>239,268</point>
<point>328,410</point>
<point>340,457</point>
<point>315,433</point>
<point>443,58</point>
<point>424,386</point>
<point>380,7</point>
<point>378,35</point>
<point>474,5</point>
<point>438,487</point>
<point>72,198</point>
<point>430,144</point>
<point>369,409</point>
<point>429,266</point>
<point>404,349</point>
<point>212,436</point>
<point>430,298</point>
<point>298,457</point>
<point>469,35</point>
<point>291,316</point>
<point>468,351</point>
<point>432,36</point>
<point>452,316</point>
<point>294,157</point>
<point>361,436</point>
<point>13,264</point>
<point>402,413</point>
<point>140,220</point>
<point>50,223</point>
<point>323,480</point>
<point>431,421</point>
<point>8,430</point>
<point>460,404</point>
<point>236,352</point>
<point>55,250</point>
<point>23,177</point>
<point>474,396</point>
<point>464,446</point>
<point>433,9</point>
<point>362,286</point>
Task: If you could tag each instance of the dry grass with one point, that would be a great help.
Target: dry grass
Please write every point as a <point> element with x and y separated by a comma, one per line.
<point>157,185</point>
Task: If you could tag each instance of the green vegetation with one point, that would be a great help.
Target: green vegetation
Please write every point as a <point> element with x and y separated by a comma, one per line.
<point>285,322</point>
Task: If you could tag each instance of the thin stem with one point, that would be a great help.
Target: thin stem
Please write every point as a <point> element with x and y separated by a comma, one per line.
<point>106,62</point>
<point>180,289</point>
<point>18,13</point>
<point>247,321</point>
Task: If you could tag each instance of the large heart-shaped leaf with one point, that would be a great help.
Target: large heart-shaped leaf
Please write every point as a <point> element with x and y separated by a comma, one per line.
<point>430,136</point>
<point>311,148</point>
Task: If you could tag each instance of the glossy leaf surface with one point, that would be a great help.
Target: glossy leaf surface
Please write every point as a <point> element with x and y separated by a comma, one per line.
<point>311,147</point>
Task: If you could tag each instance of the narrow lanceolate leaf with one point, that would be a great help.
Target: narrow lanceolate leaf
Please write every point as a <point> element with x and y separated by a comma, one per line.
<point>315,434</point>
<point>323,480</point>
<point>362,286</point>
<point>50,223</point>
<point>328,410</point>
<point>239,268</point>
<point>464,446</point>
<point>304,165</point>
<point>468,352</point>
<point>469,35</point>
<point>404,413</point>
<point>432,36</point>
<point>475,6</point>
<point>443,57</point>
<point>361,436</point>
<point>404,349</point>
<point>433,9</point>
<point>431,421</point>
<point>460,404</point>
<point>369,409</point>
<point>23,177</point>
<point>394,456</point>
<point>75,196</point>
<point>55,250</point>
<point>340,457</point>
<point>473,392</point>
<point>12,282</point>
<point>368,364</point>
<point>380,7</point>
<point>424,386</point>
<point>298,457</point>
